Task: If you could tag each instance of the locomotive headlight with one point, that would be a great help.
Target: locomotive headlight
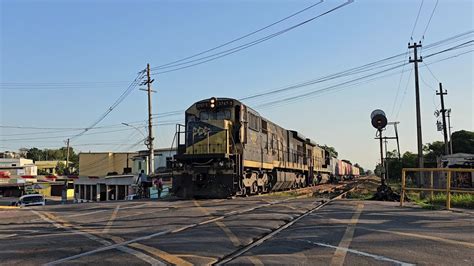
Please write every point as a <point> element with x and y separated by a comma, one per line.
<point>221,163</point>
<point>213,102</point>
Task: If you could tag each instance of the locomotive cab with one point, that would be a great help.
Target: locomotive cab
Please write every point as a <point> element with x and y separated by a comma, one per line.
<point>208,149</point>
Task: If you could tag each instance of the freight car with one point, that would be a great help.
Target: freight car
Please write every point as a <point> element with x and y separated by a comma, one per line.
<point>226,148</point>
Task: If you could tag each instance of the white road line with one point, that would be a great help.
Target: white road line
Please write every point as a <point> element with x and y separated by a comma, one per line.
<point>84,214</point>
<point>361,253</point>
<point>125,243</point>
<point>141,256</point>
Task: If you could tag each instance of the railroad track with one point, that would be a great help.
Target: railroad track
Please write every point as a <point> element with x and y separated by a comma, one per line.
<point>234,255</point>
<point>211,219</point>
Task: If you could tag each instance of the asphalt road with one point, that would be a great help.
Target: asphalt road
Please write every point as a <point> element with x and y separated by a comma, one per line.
<point>205,231</point>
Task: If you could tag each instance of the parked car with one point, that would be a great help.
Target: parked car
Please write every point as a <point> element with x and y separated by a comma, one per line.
<point>30,200</point>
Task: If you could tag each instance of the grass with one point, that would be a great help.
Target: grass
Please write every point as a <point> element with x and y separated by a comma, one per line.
<point>458,200</point>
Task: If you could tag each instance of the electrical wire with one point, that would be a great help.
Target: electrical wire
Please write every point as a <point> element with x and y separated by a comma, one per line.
<point>215,56</point>
<point>416,20</point>
<point>237,39</point>
<point>429,21</point>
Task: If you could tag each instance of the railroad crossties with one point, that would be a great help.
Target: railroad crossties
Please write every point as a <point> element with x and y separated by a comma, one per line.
<point>272,229</point>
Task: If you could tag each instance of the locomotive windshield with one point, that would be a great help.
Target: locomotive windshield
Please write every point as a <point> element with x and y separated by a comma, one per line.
<point>211,115</point>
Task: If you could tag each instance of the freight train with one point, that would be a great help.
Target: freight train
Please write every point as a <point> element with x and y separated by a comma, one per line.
<point>226,148</point>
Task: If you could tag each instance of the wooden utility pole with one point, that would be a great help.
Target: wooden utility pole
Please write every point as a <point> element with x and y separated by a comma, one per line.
<point>449,132</point>
<point>386,159</point>
<point>441,93</point>
<point>151,157</point>
<point>67,156</point>
<point>417,60</point>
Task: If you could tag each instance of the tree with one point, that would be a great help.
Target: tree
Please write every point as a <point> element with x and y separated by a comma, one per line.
<point>378,170</point>
<point>332,151</point>
<point>432,152</point>
<point>35,154</point>
<point>463,141</point>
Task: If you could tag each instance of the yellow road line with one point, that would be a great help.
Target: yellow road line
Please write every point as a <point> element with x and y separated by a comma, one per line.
<point>60,223</point>
<point>255,260</point>
<point>9,207</point>
<point>161,254</point>
<point>232,237</point>
<point>340,253</point>
<point>211,259</point>
<point>111,220</point>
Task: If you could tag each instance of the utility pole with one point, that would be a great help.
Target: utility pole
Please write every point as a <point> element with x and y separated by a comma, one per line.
<point>382,162</point>
<point>67,156</point>
<point>386,159</point>
<point>449,128</point>
<point>441,93</point>
<point>417,60</point>
<point>151,155</point>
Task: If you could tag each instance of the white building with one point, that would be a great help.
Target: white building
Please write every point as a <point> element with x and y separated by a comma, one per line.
<point>18,166</point>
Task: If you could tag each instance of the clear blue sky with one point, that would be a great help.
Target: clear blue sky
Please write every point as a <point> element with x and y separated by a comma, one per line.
<point>110,41</point>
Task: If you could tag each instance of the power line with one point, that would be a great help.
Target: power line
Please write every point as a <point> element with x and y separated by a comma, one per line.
<point>114,105</point>
<point>429,21</point>
<point>416,21</point>
<point>239,38</point>
<point>215,56</point>
<point>433,75</point>
<point>337,86</point>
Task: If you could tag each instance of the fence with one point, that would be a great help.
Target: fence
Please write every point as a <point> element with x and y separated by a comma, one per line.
<point>440,180</point>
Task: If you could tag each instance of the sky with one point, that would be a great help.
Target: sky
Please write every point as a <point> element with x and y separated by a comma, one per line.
<point>64,63</point>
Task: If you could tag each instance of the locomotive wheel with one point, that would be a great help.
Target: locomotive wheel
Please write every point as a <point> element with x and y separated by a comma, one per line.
<point>254,188</point>
<point>248,191</point>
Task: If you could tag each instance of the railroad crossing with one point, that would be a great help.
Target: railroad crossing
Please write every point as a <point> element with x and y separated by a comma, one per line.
<point>272,229</point>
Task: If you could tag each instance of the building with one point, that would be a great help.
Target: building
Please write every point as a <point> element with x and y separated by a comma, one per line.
<point>18,166</point>
<point>161,159</point>
<point>107,188</point>
<point>48,167</point>
<point>116,163</point>
<point>105,163</point>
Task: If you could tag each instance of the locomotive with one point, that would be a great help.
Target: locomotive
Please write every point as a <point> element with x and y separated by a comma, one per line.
<point>226,148</point>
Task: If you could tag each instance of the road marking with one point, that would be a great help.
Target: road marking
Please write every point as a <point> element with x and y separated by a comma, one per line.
<point>64,225</point>
<point>361,253</point>
<point>111,220</point>
<point>114,246</point>
<point>340,253</point>
<point>143,238</point>
<point>211,259</point>
<point>9,207</point>
<point>433,238</point>
<point>84,214</point>
<point>7,236</point>
<point>162,254</point>
<point>141,256</point>
<point>232,237</point>
<point>255,260</point>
